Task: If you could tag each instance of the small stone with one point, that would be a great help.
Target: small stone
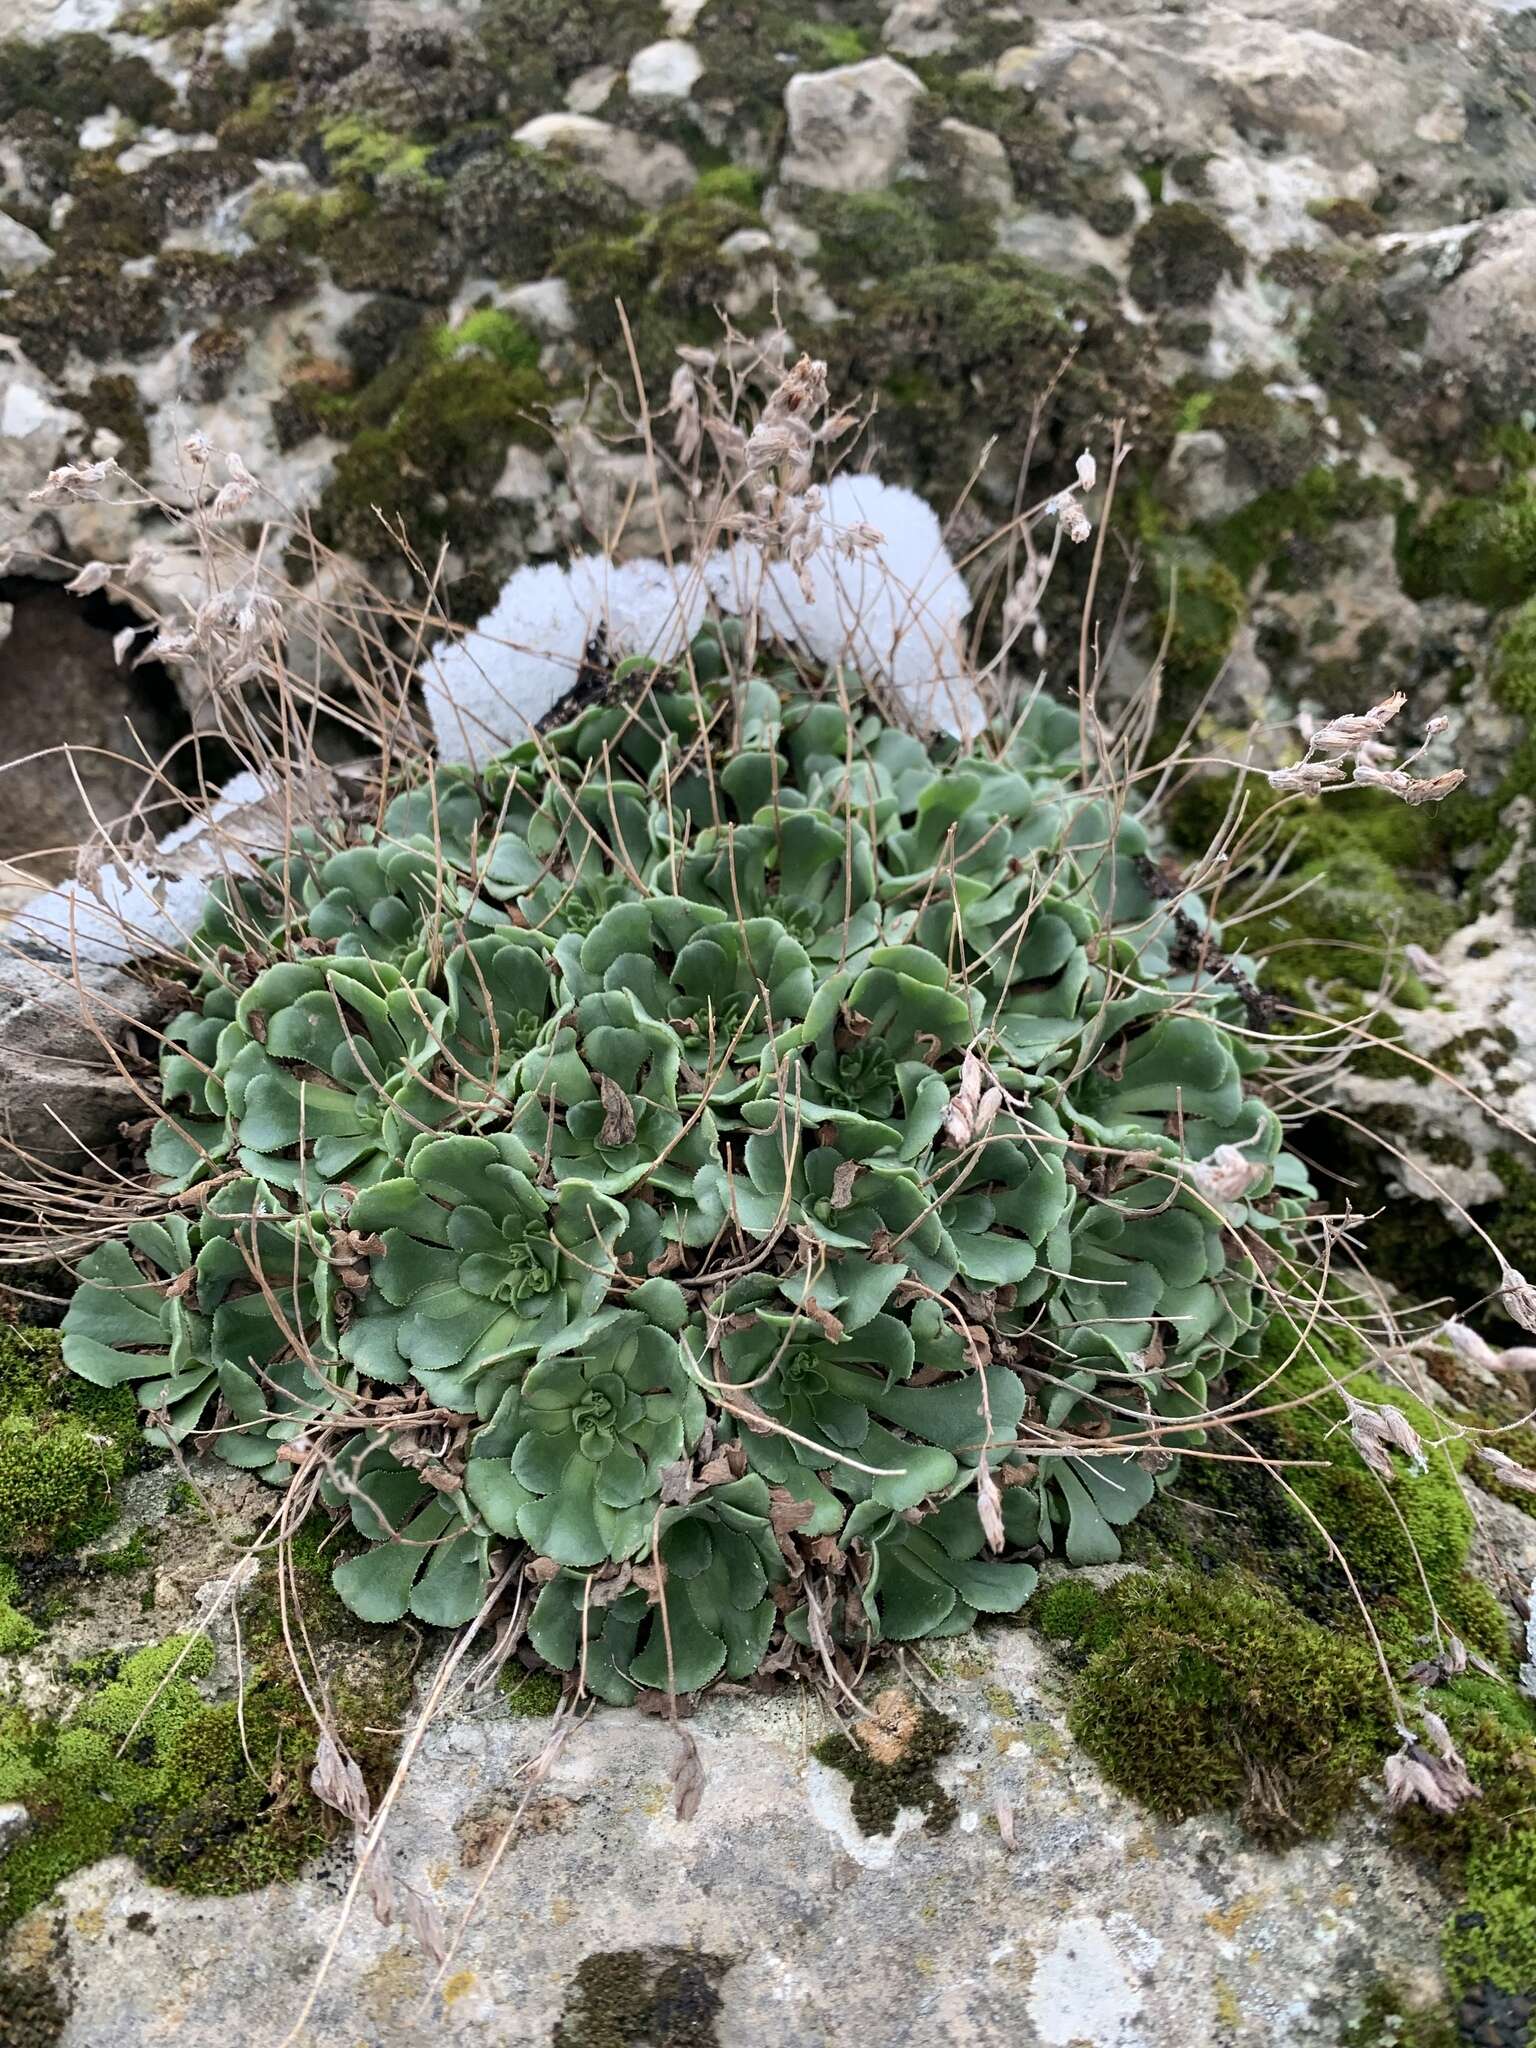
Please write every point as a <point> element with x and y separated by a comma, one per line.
<point>544,305</point>
<point>589,89</point>
<point>21,249</point>
<point>849,128</point>
<point>15,1821</point>
<point>650,172</point>
<point>985,175</point>
<point>666,70</point>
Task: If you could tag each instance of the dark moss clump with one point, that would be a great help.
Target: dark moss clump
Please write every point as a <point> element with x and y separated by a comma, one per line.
<point>400,249</point>
<point>204,286</point>
<point>378,332</point>
<point>33,2009</point>
<point>512,210</point>
<point>1200,1694</point>
<point>435,463</point>
<point>889,1762</point>
<point>1345,217</point>
<point>86,304</point>
<point>64,1448</point>
<point>879,235</point>
<point>670,275</point>
<point>1275,443</point>
<point>537,47</point>
<point>951,342</point>
<point>71,77</point>
<point>1179,255</point>
<point>643,1998</point>
<point>752,48</point>
<point>114,402</point>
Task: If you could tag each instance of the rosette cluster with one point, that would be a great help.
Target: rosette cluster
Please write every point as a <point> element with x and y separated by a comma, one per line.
<point>767,1179</point>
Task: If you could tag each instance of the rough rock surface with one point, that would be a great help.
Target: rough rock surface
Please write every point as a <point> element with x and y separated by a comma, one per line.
<point>61,1092</point>
<point>848,128</point>
<point>1099,1928</point>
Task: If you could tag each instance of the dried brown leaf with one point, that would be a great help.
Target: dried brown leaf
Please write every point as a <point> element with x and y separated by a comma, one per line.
<point>687,1777</point>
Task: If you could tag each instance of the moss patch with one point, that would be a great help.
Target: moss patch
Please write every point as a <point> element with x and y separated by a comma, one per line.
<point>643,1998</point>
<point>1483,548</point>
<point>64,1448</point>
<point>889,1762</point>
<point>436,461</point>
<point>1200,1694</point>
<point>1179,255</point>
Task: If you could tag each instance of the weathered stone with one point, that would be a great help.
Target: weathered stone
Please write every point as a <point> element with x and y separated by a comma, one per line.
<point>62,1094</point>
<point>849,128</point>
<point>21,249</point>
<point>666,70</point>
<point>650,172</point>
<point>1100,1927</point>
<point>1482,325</point>
<point>61,682</point>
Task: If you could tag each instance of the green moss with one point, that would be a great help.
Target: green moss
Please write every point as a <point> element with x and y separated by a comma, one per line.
<point>880,1788</point>
<point>1394,2020</point>
<point>870,234</point>
<point>434,464</point>
<point>1483,549</point>
<point>643,1998</point>
<point>752,48</point>
<point>181,1799</point>
<point>733,182</point>
<point>1200,608</point>
<point>1288,529</point>
<point>358,150</point>
<point>492,333</point>
<point>1064,1609</point>
<point>1406,1544</point>
<point>64,1446</point>
<point>1179,255</point>
<point>1276,443</point>
<point>1486,1850</point>
<point>300,222</point>
<point>1200,1694</point>
<point>531,1695</point>
<point>1512,675</point>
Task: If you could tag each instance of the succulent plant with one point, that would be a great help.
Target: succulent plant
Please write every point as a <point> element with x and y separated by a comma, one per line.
<point>765,1178</point>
